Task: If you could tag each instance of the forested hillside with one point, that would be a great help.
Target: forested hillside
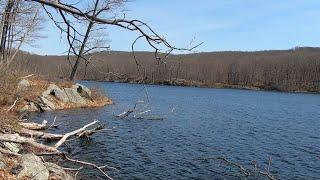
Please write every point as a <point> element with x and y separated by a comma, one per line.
<point>284,70</point>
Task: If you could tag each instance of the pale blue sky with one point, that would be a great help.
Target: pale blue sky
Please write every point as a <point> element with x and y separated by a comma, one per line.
<point>221,24</point>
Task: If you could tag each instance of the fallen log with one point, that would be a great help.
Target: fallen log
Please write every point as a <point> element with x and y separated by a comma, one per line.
<point>39,134</point>
<point>16,138</point>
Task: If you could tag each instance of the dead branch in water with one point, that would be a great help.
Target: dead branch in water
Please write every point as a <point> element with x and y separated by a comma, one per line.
<point>53,123</point>
<point>66,136</point>
<point>99,168</point>
<point>245,171</point>
<point>241,168</point>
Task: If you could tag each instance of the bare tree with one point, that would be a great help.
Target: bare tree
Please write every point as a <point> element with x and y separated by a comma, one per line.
<point>5,23</point>
<point>89,43</point>
<point>96,15</point>
<point>20,24</point>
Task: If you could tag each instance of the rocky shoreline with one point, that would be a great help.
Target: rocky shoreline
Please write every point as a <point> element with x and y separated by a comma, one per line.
<point>21,160</point>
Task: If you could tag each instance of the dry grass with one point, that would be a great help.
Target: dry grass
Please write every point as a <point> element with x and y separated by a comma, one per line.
<point>9,122</point>
<point>8,87</point>
<point>97,93</point>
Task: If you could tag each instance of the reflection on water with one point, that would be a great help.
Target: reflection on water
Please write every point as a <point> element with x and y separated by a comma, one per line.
<point>243,126</point>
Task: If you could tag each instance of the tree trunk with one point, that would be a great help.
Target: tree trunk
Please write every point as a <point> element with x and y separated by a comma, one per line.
<point>83,45</point>
<point>5,28</point>
<point>85,39</point>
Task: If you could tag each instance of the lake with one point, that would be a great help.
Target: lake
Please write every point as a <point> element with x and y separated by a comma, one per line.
<point>280,129</point>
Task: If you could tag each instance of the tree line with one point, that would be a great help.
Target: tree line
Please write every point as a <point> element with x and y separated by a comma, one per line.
<point>296,69</point>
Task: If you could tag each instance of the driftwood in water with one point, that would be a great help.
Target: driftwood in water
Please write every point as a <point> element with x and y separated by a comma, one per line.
<point>246,172</point>
<point>76,132</point>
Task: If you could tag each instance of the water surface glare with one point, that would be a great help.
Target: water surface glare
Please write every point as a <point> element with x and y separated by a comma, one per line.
<point>243,126</point>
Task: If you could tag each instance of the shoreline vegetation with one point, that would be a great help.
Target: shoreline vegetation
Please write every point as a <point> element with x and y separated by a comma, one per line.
<point>294,70</point>
<point>26,150</point>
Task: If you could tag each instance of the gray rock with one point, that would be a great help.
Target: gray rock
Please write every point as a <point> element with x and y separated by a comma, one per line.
<point>57,92</point>
<point>49,90</point>
<point>74,96</point>
<point>61,95</point>
<point>23,85</point>
<point>30,107</point>
<point>46,104</point>
<point>2,165</point>
<point>57,171</point>
<point>33,167</point>
<point>82,90</point>
<point>2,162</point>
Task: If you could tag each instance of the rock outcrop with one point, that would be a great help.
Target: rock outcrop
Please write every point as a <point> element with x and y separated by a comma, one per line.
<point>74,96</point>
<point>55,91</point>
<point>55,98</point>
<point>82,90</point>
<point>32,167</point>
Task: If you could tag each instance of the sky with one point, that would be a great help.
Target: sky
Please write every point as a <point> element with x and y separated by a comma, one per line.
<point>222,25</point>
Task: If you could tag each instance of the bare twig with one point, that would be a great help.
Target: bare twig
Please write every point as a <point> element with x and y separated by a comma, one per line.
<point>99,168</point>
<point>14,104</point>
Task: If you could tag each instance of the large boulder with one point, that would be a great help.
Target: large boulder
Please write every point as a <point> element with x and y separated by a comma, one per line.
<point>49,90</point>
<point>32,167</point>
<point>74,96</point>
<point>54,90</point>
<point>56,172</point>
<point>82,90</point>
<point>23,85</point>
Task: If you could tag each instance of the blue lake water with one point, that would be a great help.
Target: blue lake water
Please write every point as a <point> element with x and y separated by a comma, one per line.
<point>242,126</point>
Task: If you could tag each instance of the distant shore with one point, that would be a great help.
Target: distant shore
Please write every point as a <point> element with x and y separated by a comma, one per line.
<point>186,83</point>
